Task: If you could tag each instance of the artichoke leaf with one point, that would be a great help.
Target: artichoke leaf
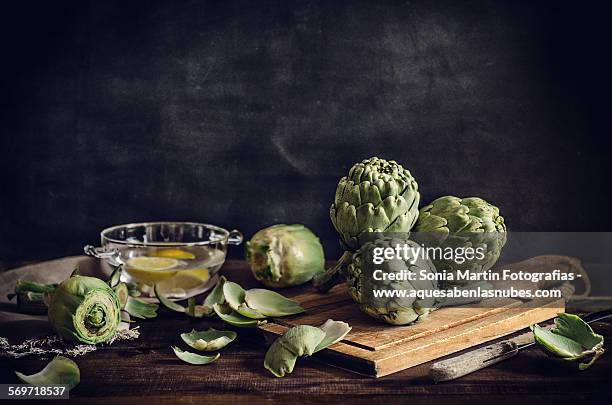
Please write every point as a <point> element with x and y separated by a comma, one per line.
<point>193,358</point>
<point>571,340</point>
<point>302,340</point>
<point>214,297</point>
<point>122,292</point>
<point>279,360</point>
<point>234,294</point>
<point>59,371</point>
<point>271,303</point>
<point>209,340</point>
<point>171,305</point>
<point>334,331</point>
<point>233,318</point>
<point>140,309</point>
<point>245,310</point>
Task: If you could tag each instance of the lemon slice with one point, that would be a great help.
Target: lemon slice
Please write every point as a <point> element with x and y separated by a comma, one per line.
<point>152,263</point>
<point>175,254</point>
<point>151,270</point>
<point>184,280</point>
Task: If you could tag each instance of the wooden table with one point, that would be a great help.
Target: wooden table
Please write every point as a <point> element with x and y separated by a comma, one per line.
<point>147,368</point>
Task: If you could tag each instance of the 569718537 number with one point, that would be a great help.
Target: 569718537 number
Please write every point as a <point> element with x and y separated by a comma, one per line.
<point>33,391</point>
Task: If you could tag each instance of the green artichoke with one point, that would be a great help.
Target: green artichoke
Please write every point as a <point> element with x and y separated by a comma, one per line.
<point>395,311</point>
<point>452,222</point>
<point>285,255</point>
<point>376,196</point>
<point>84,309</point>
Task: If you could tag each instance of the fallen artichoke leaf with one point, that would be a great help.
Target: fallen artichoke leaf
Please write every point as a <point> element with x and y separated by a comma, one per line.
<point>271,303</point>
<point>193,358</point>
<point>571,341</point>
<point>173,306</point>
<point>209,340</point>
<point>335,331</point>
<point>279,360</point>
<point>302,340</point>
<point>234,294</point>
<point>140,309</point>
<point>233,318</point>
<point>133,289</point>
<point>244,310</point>
<point>123,293</point>
<point>60,371</point>
<point>215,297</point>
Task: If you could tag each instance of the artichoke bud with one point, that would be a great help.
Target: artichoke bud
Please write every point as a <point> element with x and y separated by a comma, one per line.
<point>84,309</point>
<point>376,196</point>
<point>452,222</point>
<point>395,311</point>
<point>285,255</point>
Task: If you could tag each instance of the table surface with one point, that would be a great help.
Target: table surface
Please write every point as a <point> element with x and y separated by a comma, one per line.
<point>148,368</point>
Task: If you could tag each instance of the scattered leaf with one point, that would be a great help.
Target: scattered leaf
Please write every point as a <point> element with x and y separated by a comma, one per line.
<point>271,303</point>
<point>234,294</point>
<point>173,306</point>
<point>60,371</point>
<point>209,340</point>
<point>193,358</point>
<point>571,340</point>
<point>245,310</point>
<point>334,331</point>
<point>233,318</point>
<point>122,293</point>
<point>302,340</point>
<point>140,309</point>
<point>215,297</point>
<point>279,360</point>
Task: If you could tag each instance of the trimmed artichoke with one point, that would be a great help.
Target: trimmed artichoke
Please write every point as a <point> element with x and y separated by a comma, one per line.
<point>285,255</point>
<point>84,309</point>
<point>452,222</point>
<point>395,311</point>
<point>376,196</point>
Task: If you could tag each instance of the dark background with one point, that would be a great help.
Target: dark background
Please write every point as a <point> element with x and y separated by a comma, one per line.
<point>247,113</point>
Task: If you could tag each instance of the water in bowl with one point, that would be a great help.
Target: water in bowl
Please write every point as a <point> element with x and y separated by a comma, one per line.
<point>178,272</point>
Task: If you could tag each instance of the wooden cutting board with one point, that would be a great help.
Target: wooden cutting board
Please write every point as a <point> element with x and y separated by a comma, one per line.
<point>376,349</point>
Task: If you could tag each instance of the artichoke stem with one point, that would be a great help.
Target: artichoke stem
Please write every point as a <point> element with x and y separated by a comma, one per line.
<point>332,276</point>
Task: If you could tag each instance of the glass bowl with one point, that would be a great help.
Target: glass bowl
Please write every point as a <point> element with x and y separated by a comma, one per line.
<point>182,258</point>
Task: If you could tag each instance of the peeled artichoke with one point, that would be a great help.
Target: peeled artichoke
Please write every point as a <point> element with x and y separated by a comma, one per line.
<point>84,309</point>
<point>376,196</point>
<point>452,222</point>
<point>395,311</point>
<point>285,255</point>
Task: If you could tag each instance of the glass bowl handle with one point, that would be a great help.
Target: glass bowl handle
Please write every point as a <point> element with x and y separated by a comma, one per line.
<point>235,237</point>
<point>100,252</point>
